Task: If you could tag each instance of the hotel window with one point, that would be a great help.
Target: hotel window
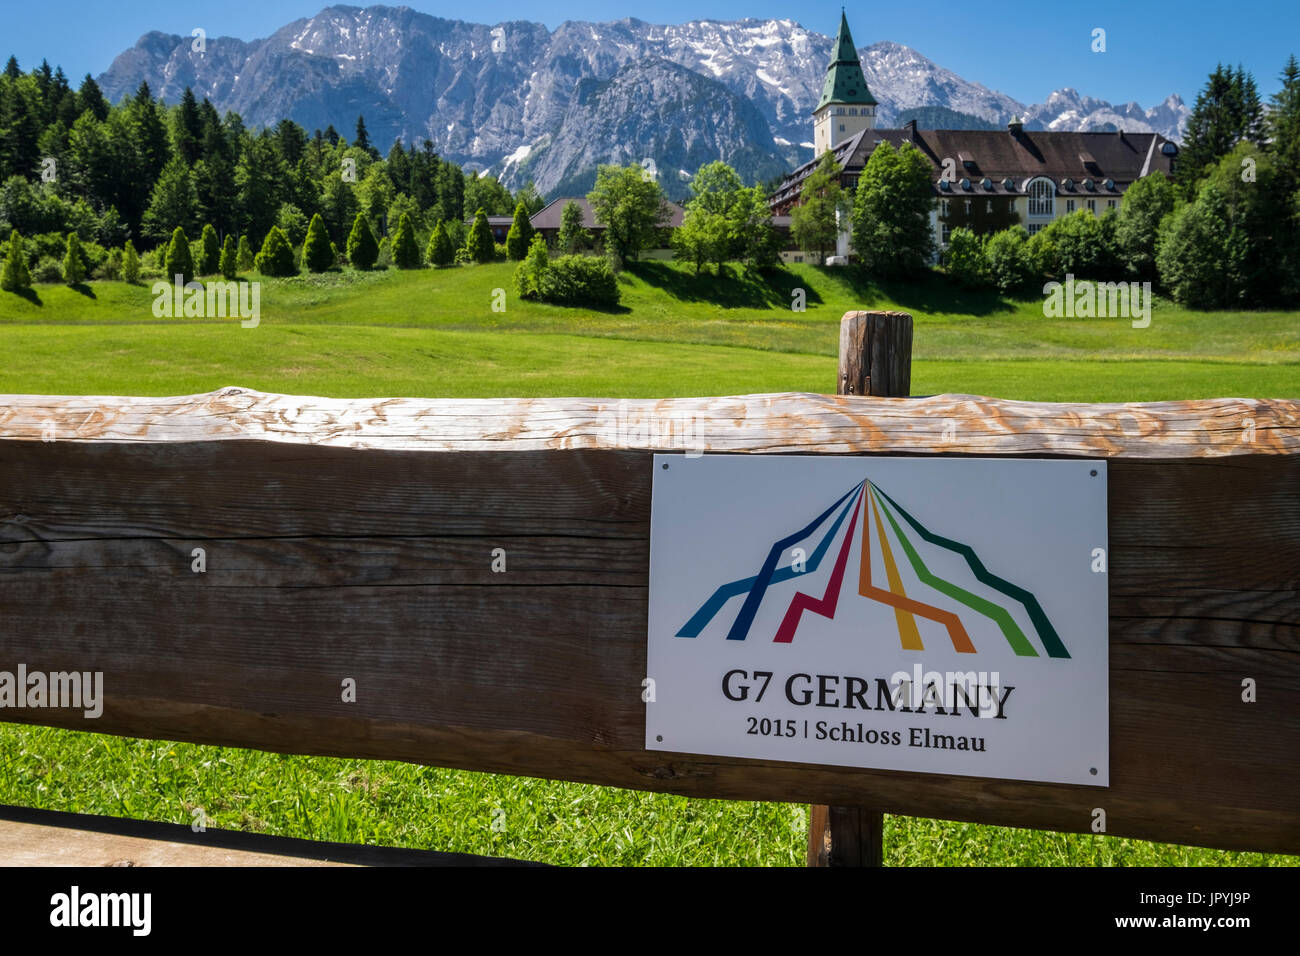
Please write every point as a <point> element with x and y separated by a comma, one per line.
<point>853,111</point>
<point>988,205</point>
<point>1042,198</point>
<point>968,207</point>
<point>946,232</point>
<point>943,208</point>
<point>1035,227</point>
<point>1092,206</point>
<point>1110,204</point>
<point>841,127</point>
<point>1069,205</point>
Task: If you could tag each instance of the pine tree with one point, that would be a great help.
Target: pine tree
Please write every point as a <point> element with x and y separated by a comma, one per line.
<point>74,267</point>
<point>362,248</point>
<point>1284,125</point>
<point>15,277</point>
<point>520,234</point>
<point>229,263</point>
<point>317,255</point>
<point>1226,112</point>
<point>244,257</point>
<point>209,260</point>
<point>130,263</point>
<point>406,254</point>
<point>177,261</point>
<point>276,257</point>
<point>479,245</point>
<point>440,251</point>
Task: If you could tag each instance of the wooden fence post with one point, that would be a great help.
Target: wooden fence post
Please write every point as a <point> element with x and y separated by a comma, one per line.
<point>875,359</point>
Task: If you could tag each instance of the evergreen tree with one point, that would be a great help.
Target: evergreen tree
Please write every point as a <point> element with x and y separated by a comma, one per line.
<point>441,252</point>
<point>891,211</point>
<point>276,257</point>
<point>177,261</point>
<point>362,140</point>
<point>172,203</point>
<point>1284,126</point>
<point>209,259</point>
<point>573,237</point>
<point>406,254</point>
<point>816,222</point>
<point>520,234</point>
<point>229,263</point>
<point>91,97</point>
<point>244,255</point>
<point>317,255</point>
<point>15,277</point>
<point>130,263</point>
<point>74,267</point>
<point>479,246</point>
<point>1226,112</point>
<point>362,248</point>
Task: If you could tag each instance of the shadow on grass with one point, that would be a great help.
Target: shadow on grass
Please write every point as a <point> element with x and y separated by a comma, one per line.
<point>30,295</point>
<point>926,292</point>
<point>84,289</point>
<point>736,288</point>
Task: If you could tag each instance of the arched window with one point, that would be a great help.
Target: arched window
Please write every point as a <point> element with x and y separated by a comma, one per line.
<point>1042,198</point>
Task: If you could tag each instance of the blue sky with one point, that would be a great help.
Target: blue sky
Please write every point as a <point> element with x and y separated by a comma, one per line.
<point>1022,48</point>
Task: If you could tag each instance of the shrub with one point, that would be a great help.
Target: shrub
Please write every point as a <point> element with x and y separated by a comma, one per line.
<point>111,267</point>
<point>229,261</point>
<point>385,259</point>
<point>528,274</point>
<point>208,260</point>
<point>276,257</point>
<point>440,251</point>
<point>244,257</point>
<point>363,251</point>
<point>579,280</point>
<point>317,251</point>
<point>964,258</point>
<point>47,270</point>
<point>1006,255</point>
<point>130,263</point>
<point>406,254</point>
<point>177,260</point>
<point>74,267</point>
<point>14,275</point>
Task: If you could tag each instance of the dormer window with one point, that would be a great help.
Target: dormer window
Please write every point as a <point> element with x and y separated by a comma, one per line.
<point>965,184</point>
<point>1042,198</point>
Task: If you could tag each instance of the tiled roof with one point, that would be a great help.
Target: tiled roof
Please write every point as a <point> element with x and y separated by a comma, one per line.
<point>548,217</point>
<point>1000,162</point>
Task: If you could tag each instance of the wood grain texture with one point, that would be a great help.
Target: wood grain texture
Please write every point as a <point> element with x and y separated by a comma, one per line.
<point>875,354</point>
<point>775,424</point>
<point>845,836</point>
<point>368,555</point>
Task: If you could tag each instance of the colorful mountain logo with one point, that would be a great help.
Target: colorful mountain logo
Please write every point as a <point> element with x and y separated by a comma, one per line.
<point>852,505</point>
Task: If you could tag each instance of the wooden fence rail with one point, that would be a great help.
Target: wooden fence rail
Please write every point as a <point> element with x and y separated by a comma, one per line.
<point>350,539</point>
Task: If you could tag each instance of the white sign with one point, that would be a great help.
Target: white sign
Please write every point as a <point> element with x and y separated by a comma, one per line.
<point>934,615</point>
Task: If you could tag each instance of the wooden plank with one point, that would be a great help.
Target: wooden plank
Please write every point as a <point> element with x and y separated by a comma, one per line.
<point>48,838</point>
<point>786,423</point>
<point>329,562</point>
<point>845,836</point>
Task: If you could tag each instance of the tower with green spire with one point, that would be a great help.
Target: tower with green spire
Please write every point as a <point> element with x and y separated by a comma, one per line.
<point>846,105</point>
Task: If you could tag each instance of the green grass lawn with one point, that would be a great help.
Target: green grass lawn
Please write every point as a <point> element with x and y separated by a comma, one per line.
<point>433,333</point>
